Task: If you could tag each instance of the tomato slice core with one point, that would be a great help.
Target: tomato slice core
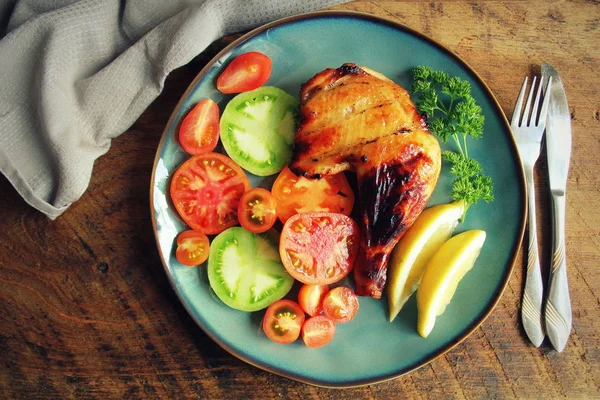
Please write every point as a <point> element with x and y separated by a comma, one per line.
<point>206,190</point>
<point>319,248</point>
<point>257,210</point>
<point>283,321</point>
<point>295,194</point>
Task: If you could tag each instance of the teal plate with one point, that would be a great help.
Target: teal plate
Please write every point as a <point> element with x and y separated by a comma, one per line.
<point>369,349</point>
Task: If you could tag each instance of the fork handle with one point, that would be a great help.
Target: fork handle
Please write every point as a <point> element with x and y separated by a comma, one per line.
<point>531,305</point>
<point>558,304</point>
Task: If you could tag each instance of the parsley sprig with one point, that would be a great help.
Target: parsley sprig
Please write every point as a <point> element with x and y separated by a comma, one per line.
<point>452,113</point>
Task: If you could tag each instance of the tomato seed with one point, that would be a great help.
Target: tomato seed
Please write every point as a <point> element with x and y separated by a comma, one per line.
<point>195,254</point>
<point>299,227</point>
<point>286,314</point>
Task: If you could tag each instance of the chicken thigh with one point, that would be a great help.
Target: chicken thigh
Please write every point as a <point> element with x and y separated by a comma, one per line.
<point>355,119</point>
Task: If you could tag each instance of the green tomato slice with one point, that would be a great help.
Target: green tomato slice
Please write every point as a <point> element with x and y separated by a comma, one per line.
<point>245,269</point>
<point>258,129</point>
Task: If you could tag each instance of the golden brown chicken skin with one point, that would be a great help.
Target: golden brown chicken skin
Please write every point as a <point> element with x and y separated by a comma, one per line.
<point>352,118</point>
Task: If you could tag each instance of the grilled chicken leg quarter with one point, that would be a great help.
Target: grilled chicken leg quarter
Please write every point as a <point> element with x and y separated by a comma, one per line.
<point>352,118</point>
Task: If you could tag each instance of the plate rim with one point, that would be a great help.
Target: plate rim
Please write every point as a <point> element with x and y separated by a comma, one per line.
<point>487,91</point>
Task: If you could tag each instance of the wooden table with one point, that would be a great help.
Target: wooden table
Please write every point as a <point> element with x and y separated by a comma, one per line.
<point>87,311</point>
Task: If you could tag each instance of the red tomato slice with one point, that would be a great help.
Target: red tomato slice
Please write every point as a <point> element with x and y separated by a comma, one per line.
<point>199,130</point>
<point>340,304</point>
<point>319,248</point>
<point>246,72</point>
<point>283,321</point>
<point>295,194</point>
<point>310,298</point>
<point>257,210</point>
<point>192,248</point>
<point>318,331</point>
<point>206,190</point>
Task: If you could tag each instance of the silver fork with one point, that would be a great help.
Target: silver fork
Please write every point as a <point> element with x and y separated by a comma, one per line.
<point>528,129</point>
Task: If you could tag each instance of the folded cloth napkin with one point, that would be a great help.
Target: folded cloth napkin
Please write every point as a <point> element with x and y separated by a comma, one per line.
<point>77,73</point>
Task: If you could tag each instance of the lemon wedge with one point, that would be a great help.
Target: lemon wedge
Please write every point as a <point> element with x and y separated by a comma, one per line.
<point>442,274</point>
<point>408,260</point>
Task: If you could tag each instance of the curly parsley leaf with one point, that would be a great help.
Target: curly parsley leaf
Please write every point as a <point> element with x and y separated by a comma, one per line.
<point>456,88</point>
<point>462,167</point>
<point>472,189</point>
<point>453,113</point>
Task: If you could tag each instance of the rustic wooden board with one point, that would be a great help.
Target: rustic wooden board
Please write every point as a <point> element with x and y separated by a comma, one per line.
<point>87,311</point>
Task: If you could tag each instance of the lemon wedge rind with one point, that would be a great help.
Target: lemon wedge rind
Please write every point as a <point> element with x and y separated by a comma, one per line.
<point>442,275</point>
<point>410,256</point>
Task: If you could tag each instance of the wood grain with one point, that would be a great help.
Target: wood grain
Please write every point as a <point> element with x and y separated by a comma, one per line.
<point>87,311</point>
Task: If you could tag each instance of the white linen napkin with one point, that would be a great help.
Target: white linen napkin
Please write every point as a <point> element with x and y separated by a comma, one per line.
<point>77,73</point>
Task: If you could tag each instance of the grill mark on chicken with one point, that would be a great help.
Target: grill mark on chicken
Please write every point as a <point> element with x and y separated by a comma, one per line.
<point>348,114</point>
<point>389,203</point>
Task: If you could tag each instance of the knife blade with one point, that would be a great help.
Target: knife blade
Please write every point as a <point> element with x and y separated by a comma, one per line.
<point>557,314</point>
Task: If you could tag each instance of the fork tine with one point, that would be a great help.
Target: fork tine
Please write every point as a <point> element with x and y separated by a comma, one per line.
<point>545,104</point>
<point>516,118</point>
<point>536,116</point>
<point>526,116</point>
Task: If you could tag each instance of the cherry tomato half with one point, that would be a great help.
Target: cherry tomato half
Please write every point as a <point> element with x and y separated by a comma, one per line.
<point>283,321</point>
<point>199,130</point>
<point>246,72</point>
<point>319,248</point>
<point>257,210</point>
<point>340,304</point>
<point>206,190</point>
<point>295,194</point>
<point>310,298</point>
<point>318,331</point>
<point>192,248</point>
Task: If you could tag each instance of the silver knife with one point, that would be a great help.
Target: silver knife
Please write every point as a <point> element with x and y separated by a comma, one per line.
<point>558,146</point>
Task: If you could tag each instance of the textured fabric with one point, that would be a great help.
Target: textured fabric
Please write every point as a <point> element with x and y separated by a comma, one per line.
<point>76,74</point>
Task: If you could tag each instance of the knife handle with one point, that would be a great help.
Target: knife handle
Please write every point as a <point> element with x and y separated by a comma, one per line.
<point>531,305</point>
<point>558,304</point>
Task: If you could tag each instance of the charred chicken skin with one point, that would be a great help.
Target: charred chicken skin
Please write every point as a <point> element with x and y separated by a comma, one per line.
<point>352,118</point>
